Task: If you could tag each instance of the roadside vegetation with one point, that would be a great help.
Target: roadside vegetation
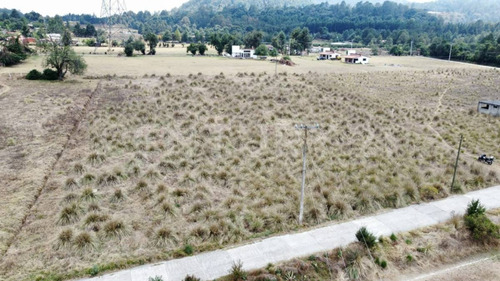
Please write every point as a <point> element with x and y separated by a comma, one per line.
<point>388,257</point>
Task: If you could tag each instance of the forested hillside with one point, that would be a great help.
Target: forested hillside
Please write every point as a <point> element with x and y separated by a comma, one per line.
<point>397,28</point>
<point>465,10</point>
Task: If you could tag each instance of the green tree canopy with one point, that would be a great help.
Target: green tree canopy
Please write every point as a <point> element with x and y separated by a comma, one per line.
<point>301,39</point>
<point>253,39</point>
<point>152,40</point>
<point>202,48</point>
<point>279,42</point>
<point>192,48</point>
<point>63,59</point>
<point>219,41</point>
<point>261,50</point>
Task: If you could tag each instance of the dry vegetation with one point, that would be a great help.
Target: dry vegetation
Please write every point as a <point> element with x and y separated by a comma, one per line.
<point>162,164</point>
<point>408,254</point>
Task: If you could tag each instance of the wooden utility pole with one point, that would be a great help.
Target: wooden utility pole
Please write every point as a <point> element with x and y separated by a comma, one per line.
<point>456,162</point>
<point>304,154</point>
<point>451,48</point>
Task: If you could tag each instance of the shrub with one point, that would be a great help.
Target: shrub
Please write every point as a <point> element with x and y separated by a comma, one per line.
<point>49,74</point>
<point>93,271</point>
<point>237,273</point>
<point>188,249</point>
<point>482,229</point>
<point>156,278</point>
<point>129,50</point>
<point>366,238</point>
<point>393,237</point>
<point>191,278</point>
<point>474,208</point>
<point>34,75</point>
<point>409,258</point>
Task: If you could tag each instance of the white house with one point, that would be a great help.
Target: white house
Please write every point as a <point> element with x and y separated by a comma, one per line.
<point>316,49</point>
<point>55,37</point>
<point>328,56</point>
<point>237,52</point>
<point>350,52</point>
<point>489,107</point>
<point>356,58</point>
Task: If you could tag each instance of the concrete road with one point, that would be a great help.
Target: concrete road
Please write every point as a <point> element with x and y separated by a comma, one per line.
<point>211,265</point>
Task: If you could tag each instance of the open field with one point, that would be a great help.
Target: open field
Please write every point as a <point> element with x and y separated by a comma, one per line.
<point>176,61</point>
<point>176,151</point>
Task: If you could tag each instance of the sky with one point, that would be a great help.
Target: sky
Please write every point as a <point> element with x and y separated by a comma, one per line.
<point>62,7</point>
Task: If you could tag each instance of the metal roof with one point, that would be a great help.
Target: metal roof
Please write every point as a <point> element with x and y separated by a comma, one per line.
<point>491,102</point>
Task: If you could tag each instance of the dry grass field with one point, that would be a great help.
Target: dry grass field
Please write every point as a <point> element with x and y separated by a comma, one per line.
<point>184,153</point>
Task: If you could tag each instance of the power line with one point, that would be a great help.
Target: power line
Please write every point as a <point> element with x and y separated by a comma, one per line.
<point>304,154</point>
<point>114,11</point>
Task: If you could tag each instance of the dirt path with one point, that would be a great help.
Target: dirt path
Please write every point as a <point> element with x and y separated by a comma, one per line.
<point>483,267</point>
<point>43,185</point>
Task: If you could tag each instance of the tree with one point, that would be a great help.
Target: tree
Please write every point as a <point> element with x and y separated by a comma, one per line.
<point>66,38</point>
<point>219,41</point>
<point>185,37</point>
<point>152,40</point>
<point>396,50</point>
<point>25,31</point>
<point>55,25</point>
<point>90,30</point>
<point>13,52</point>
<point>202,48</point>
<point>177,35</point>
<point>253,39</point>
<point>192,48</point>
<point>261,50</point>
<point>279,42</point>
<point>167,36</point>
<point>129,50</point>
<point>300,39</point>
<point>273,52</point>
<point>64,59</point>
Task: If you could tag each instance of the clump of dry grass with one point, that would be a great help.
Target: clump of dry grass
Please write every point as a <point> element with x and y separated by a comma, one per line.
<point>65,237</point>
<point>114,228</point>
<point>83,241</point>
<point>69,214</point>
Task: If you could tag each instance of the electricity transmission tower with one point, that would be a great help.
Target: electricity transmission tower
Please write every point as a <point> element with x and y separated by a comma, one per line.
<point>114,13</point>
<point>304,154</point>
